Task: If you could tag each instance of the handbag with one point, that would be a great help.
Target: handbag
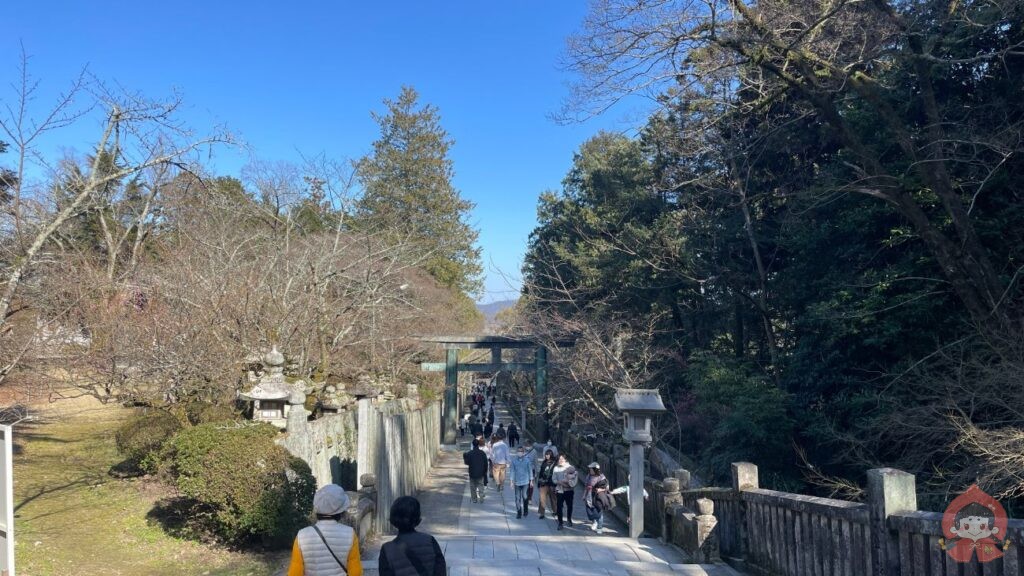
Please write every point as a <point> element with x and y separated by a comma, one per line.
<point>529,492</point>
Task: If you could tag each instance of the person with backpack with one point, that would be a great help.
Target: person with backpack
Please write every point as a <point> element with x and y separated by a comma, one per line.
<point>596,497</point>
<point>565,478</point>
<point>476,462</point>
<point>327,548</point>
<point>546,483</point>
<point>513,435</point>
<point>411,553</point>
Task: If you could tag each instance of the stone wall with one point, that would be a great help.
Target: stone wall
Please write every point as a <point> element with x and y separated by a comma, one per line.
<point>383,451</point>
<point>329,445</point>
<point>398,443</point>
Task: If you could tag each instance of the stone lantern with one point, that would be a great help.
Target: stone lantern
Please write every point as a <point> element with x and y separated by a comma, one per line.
<point>273,397</point>
<point>638,408</point>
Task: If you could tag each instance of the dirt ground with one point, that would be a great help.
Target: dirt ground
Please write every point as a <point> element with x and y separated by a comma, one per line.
<point>73,517</point>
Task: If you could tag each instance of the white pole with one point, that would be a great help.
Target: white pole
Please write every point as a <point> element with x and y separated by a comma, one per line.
<point>7,502</point>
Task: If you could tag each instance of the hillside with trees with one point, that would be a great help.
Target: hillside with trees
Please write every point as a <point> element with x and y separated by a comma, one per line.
<point>813,247</point>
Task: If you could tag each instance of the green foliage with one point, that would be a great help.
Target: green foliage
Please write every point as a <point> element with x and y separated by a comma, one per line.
<point>748,415</point>
<point>789,265</point>
<point>408,192</point>
<point>205,412</point>
<point>141,438</point>
<point>242,484</point>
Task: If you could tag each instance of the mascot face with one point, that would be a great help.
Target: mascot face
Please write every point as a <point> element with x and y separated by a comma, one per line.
<point>975,527</point>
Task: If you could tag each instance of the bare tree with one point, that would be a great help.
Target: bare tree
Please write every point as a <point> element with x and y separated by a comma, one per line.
<point>139,135</point>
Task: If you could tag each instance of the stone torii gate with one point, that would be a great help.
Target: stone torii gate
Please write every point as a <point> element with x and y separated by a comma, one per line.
<point>451,368</point>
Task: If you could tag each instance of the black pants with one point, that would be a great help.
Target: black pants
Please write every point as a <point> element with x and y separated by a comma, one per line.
<point>564,498</point>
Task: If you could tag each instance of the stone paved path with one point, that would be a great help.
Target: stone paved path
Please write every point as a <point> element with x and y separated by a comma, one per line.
<point>486,539</point>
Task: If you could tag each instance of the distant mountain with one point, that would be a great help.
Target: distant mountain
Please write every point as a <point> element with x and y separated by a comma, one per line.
<point>491,310</point>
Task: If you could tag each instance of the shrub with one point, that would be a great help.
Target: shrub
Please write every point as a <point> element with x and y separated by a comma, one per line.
<point>204,412</point>
<point>243,486</point>
<point>141,438</point>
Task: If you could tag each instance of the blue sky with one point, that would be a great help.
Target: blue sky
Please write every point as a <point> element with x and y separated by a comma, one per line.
<point>301,78</point>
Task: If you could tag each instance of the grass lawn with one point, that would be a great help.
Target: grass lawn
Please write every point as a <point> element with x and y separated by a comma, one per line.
<point>72,517</point>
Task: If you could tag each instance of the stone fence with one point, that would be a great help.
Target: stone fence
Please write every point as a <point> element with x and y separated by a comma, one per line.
<point>377,452</point>
<point>329,446</point>
<point>398,443</point>
<point>771,533</point>
<point>778,533</point>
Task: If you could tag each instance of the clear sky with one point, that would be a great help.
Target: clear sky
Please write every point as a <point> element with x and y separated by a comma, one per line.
<point>294,78</point>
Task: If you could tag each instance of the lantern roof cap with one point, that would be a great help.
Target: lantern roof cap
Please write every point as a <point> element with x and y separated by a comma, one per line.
<point>636,401</point>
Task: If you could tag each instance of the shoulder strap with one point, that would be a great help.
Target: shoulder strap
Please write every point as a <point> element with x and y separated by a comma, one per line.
<point>336,559</point>
<point>417,564</point>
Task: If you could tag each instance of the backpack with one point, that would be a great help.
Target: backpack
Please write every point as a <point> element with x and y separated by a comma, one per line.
<point>572,478</point>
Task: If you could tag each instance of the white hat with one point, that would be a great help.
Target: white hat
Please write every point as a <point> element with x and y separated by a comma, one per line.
<point>330,500</point>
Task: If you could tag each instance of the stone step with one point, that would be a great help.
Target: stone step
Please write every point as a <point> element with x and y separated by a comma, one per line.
<point>475,567</point>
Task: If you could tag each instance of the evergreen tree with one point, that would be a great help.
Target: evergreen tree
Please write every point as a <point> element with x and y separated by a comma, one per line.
<point>408,192</point>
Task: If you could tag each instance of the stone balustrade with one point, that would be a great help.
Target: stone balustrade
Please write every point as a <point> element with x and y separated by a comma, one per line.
<point>767,532</point>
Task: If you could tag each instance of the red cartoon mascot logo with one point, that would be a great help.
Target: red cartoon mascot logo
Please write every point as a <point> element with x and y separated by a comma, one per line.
<point>975,523</point>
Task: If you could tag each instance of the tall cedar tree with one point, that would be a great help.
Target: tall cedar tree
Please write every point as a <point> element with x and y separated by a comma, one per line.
<point>408,192</point>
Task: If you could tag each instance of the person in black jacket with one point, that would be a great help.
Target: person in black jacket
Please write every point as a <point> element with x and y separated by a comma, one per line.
<point>513,435</point>
<point>476,460</point>
<point>475,428</point>
<point>411,553</point>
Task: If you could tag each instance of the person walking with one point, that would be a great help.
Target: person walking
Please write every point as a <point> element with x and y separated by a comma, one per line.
<point>499,461</point>
<point>565,478</point>
<point>552,447</point>
<point>411,553</point>
<point>501,432</point>
<point>625,490</point>
<point>327,548</point>
<point>546,483</point>
<point>513,435</point>
<point>485,445</point>
<point>522,479</point>
<point>476,461</point>
<point>475,428</point>
<point>596,496</point>
<point>489,428</point>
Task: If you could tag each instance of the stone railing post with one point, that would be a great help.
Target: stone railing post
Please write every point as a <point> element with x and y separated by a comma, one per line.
<point>707,537</point>
<point>684,477</point>
<point>889,491</point>
<point>670,496</point>
<point>744,478</point>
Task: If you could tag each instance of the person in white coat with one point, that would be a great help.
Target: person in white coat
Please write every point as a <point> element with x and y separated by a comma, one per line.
<point>327,548</point>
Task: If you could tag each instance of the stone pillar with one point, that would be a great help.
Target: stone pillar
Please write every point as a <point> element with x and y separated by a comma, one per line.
<point>684,477</point>
<point>450,414</point>
<point>744,478</point>
<point>298,416</point>
<point>707,538</point>
<point>670,497</point>
<point>496,360</point>
<point>636,489</point>
<point>889,491</point>
<point>540,360</point>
